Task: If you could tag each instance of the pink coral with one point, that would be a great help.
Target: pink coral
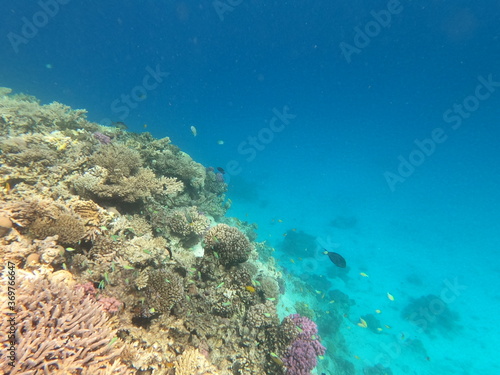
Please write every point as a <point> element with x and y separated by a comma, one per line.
<point>110,304</point>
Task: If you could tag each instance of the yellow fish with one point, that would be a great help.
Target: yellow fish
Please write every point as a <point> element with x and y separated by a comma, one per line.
<point>390,296</point>
<point>387,326</point>
<point>363,274</point>
<point>362,323</point>
<point>280,221</point>
<point>378,311</point>
<point>379,329</point>
<point>291,260</point>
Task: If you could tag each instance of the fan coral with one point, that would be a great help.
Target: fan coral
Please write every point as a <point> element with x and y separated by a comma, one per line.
<point>229,243</point>
<point>58,331</point>
<point>300,356</point>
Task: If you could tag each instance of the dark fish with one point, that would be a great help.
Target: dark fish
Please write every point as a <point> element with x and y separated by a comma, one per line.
<point>221,170</point>
<point>336,259</point>
<point>120,125</point>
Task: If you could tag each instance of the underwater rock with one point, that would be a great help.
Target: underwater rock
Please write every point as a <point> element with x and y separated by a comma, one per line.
<point>345,222</point>
<point>431,314</point>
<point>299,244</point>
<point>5,225</point>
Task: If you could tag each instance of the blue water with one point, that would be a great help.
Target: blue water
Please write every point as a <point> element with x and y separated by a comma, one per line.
<point>311,134</point>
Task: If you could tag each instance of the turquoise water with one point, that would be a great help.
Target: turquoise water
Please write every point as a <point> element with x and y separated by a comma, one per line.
<point>370,130</point>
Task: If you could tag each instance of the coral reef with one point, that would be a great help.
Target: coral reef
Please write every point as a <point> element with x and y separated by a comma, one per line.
<point>116,234</point>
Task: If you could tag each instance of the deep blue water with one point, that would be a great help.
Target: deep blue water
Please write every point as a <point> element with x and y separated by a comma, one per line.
<point>309,132</point>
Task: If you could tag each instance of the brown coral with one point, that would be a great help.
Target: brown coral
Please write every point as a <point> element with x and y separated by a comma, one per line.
<point>191,362</point>
<point>69,228</point>
<point>229,243</point>
<point>58,331</point>
<point>188,223</point>
<point>164,290</point>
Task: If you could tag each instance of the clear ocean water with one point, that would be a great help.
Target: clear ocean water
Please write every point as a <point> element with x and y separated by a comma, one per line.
<point>368,128</point>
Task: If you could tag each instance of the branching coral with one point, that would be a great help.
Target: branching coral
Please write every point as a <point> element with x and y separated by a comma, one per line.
<point>230,245</point>
<point>58,331</point>
<point>191,362</point>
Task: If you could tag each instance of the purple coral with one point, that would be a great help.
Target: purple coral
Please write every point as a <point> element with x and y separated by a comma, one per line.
<point>103,138</point>
<point>300,356</point>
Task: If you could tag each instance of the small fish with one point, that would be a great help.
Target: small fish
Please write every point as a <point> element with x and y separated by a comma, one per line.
<point>221,170</point>
<point>378,311</point>
<point>292,260</point>
<point>285,234</point>
<point>387,326</point>
<point>294,229</point>
<point>332,301</point>
<point>362,323</point>
<point>145,126</point>
<point>363,274</point>
<point>250,288</point>
<point>357,357</point>
<point>193,130</point>
<point>390,296</point>
<point>277,359</point>
<point>220,142</point>
<point>336,259</point>
<point>379,329</point>
<point>280,221</point>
